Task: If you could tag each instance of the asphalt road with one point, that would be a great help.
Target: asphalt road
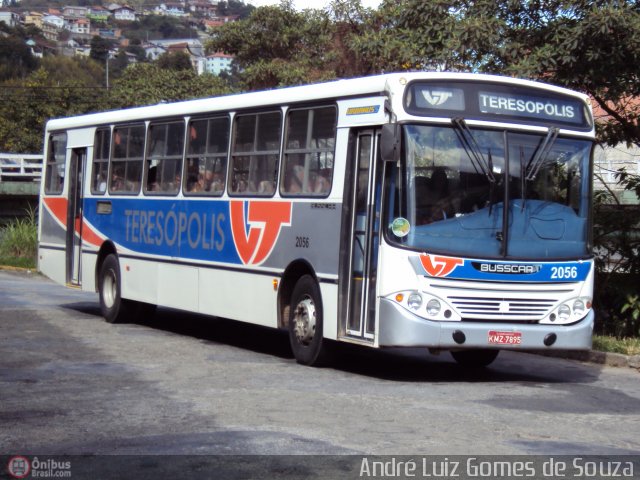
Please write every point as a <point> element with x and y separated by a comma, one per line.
<point>184,384</point>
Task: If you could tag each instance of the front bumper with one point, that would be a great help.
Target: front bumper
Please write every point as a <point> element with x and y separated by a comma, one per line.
<point>399,327</point>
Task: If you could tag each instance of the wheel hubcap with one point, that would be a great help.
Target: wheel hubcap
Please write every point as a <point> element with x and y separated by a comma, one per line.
<point>304,321</point>
<point>109,289</point>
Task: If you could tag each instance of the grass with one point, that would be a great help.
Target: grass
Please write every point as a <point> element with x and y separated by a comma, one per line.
<point>20,262</point>
<point>19,242</point>
<point>627,346</point>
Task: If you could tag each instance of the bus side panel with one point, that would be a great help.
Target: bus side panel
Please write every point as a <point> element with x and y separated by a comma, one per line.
<point>329,292</point>
<point>51,262</point>
<point>178,286</point>
<point>53,234</point>
<point>248,297</point>
<point>140,280</point>
<point>88,265</point>
<point>313,234</point>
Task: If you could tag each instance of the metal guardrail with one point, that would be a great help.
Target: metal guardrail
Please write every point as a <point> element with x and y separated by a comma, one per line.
<point>20,167</point>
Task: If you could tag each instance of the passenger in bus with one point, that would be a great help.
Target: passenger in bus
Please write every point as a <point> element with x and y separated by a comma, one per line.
<point>101,181</point>
<point>295,181</point>
<point>198,185</point>
<point>438,200</point>
<point>241,185</point>
<point>192,174</point>
<point>208,180</point>
<point>322,185</point>
<point>266,187</point>
<point>173,186</point>
<point>117,180</point>
<point>152,183</point>
<point>133,186</point>
<point>214,182</point>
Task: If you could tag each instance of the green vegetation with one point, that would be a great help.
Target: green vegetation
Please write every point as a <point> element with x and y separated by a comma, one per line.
<point>626,346</point>
<point>19,242</point>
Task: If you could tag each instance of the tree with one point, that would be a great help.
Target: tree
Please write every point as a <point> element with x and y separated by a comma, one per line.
<point>138,51</point>
<point>16,59</point>
<point>593,47</point>
<point>277,46</point>
<point>99,49</point>
<point>60,87</point>
<point>118,64</point>
<point>235,7</point>
<point>177,60</point>
<point>147,84</point>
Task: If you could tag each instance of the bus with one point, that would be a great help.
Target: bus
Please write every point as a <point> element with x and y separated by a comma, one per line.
<point>448,211</point>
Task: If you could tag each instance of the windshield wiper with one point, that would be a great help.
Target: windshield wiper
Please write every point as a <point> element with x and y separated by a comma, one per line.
<point>538,159</point>
<point>471,147</point>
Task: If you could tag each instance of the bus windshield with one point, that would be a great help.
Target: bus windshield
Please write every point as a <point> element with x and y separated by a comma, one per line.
<point>454,183</point>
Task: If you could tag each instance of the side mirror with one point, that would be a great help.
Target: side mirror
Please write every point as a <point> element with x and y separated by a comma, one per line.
<point>390,142</point>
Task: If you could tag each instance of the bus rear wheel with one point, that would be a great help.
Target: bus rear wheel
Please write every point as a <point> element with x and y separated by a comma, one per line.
<point>305,323</point>
<point>475,358</point>
<point>114,308</point>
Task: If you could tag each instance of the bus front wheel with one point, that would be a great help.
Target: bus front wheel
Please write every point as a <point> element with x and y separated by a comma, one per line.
<point>114,308</point>
<point>305,323</point>
<point>475,358</point>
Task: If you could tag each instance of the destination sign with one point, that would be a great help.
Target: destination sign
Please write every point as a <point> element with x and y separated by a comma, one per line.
<point>530,106</point>
<point>488,101</point>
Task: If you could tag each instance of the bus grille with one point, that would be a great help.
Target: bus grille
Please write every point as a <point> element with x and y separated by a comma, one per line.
<point>503,302</point>
<point>513,308</point>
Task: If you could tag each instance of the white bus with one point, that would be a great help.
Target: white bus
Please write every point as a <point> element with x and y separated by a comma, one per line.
<point>441,210</point>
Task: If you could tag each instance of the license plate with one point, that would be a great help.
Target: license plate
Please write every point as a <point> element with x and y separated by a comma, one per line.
<point>505,338</point>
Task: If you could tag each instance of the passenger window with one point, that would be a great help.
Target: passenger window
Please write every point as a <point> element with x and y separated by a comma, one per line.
<point>126,166</point>
<point>255,153</point>
<point>56,156</point>
<point>165,147</point>
<point>100,170</point>
<point>207,151</point>
<point>309,152</point>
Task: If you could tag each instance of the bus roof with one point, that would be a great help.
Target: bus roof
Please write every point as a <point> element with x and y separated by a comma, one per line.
<point>385,84</point>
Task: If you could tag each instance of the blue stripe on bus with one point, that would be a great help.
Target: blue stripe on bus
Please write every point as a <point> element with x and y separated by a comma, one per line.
<point>198,230</point>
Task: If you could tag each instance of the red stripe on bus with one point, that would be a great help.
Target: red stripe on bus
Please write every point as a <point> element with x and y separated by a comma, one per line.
<point>58,207</point>
<point>90,236</point>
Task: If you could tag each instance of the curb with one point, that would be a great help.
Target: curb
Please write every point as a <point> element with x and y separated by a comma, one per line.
<point>600,358</point>
<point>8,268</point>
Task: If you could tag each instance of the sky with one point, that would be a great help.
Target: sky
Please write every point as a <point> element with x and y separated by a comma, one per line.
<point>302,4</point>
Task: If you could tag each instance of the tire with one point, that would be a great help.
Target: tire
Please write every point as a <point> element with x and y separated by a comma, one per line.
<point>114,308</point>
<point>305,324</point>
<point>475,358</point>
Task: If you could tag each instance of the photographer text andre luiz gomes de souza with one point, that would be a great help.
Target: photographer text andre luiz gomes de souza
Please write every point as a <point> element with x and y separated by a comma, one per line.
<point>578,467</point>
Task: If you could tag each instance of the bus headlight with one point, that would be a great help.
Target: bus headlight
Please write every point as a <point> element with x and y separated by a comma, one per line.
<point>579,308</point>
<point>564,312</point>
<point>414,301</point>
<point>433,307</point>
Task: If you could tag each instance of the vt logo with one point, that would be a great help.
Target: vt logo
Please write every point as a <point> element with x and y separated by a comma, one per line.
<point>264,219</point>
<point>437,97</point>
<point>437,266</point>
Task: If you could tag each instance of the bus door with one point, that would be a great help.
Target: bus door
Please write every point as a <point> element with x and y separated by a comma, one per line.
<point>75,197</point>
<point>363,224</point>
